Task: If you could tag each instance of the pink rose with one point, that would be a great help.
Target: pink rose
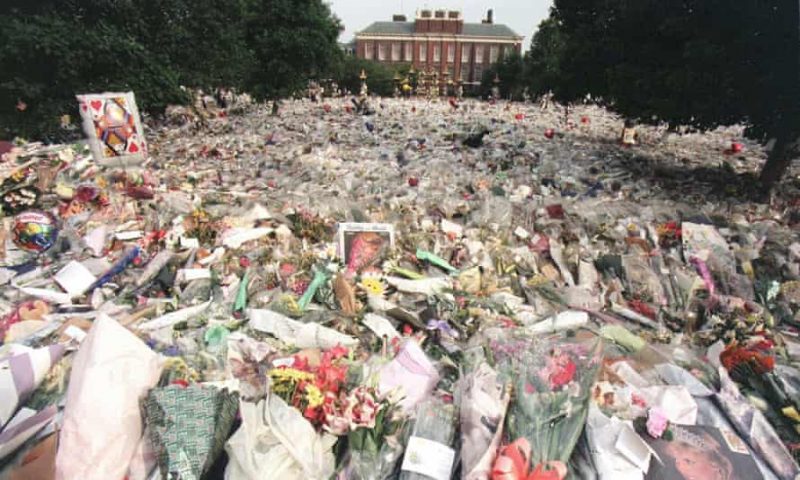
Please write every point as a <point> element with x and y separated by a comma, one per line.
<point>656,423</point>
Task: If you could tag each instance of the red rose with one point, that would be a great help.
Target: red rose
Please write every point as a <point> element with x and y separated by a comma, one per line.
<point>560,370</point>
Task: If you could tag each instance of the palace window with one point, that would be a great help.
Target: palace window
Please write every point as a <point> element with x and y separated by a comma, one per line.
<point>494,51</point>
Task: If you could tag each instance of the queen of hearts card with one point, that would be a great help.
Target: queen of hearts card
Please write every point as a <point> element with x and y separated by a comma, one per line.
<point>112,124</point>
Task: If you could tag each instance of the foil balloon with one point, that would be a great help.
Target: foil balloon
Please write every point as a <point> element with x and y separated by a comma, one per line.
<point>35,231</point>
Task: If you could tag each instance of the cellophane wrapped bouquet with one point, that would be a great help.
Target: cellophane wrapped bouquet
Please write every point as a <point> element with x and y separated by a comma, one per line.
<point>429,451</point>
<point>483,400</point>
<point>373,426</point>
<point>551,388</point>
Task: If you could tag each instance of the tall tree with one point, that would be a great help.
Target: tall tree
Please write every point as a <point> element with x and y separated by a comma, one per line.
<point>701,63</point>
<point>543,60</point>
<point>511,72</point>
<point>292,41</point>
<point>380,77</point>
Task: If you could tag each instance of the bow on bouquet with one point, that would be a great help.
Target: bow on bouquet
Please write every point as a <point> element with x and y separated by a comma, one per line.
<point>552,389</point>
<point>514,463</point>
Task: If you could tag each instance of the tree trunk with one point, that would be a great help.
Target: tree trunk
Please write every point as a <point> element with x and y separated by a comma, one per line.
<point>786,149</point>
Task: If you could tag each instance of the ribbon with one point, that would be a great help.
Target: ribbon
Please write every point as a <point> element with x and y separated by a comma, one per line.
<point>708,280</point>
<point>435,260</point>
<point>117,268</point>
<point>513,463</point>
<point>241,294</point>
<point>320,277</point>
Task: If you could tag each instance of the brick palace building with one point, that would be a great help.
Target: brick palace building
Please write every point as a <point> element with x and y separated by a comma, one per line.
<point>439,41</point>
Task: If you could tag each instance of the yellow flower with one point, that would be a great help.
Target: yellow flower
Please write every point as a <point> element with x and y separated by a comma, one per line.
<point>290,374</point>
<point>373,286</point>
<point>314,396</point>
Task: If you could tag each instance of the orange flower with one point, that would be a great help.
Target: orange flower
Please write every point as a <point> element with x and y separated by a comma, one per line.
<point>513,460</point>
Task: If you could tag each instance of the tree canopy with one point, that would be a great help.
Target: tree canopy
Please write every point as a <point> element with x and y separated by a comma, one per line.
<point>51,50</point>
<point>511,72</point>
<point>701,63</point>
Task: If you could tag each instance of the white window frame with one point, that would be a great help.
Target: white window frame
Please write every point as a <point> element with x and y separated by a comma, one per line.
<point>437,53</point>
<point>369,50</point>
<point>408,51</point>
<point>494,52</point>
<point>464,73</point>
<point>381,52</point>
<point>423,52</point>
<point>478,53</point>
<point>396,51</point>
<point>465,51</point>
<point>451,53</point>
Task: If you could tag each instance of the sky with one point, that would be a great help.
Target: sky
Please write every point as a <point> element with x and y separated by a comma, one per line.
<point>523,16</point>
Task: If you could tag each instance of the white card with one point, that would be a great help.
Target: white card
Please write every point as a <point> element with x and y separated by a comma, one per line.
<point>380,326</point>
<point>75,278</point>
<point>130,235</point>
<point>189,274</point>
<point>428,458</point>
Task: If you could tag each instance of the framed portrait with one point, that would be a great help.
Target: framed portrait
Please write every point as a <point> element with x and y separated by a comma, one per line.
<point>364,245</point>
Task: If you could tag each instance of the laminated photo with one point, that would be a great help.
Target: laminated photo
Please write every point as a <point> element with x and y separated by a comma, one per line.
<point>702,452</point>
<point>113,127</point>
<point>363,245</point>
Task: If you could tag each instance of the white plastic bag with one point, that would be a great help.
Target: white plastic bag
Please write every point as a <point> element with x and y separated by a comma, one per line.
<point>102,423</point>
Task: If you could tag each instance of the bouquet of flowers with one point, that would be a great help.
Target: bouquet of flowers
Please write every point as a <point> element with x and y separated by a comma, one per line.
<point>754,427</point>
<point>753,366</point>
<point>372,426</point>
<point>308,385</point>
<point>550,402</point>
<point>429,453</point>
<point>484,401</point>
<point>291,433</point>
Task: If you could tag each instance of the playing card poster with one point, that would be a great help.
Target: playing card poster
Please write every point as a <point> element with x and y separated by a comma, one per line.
<point>112,124</point>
